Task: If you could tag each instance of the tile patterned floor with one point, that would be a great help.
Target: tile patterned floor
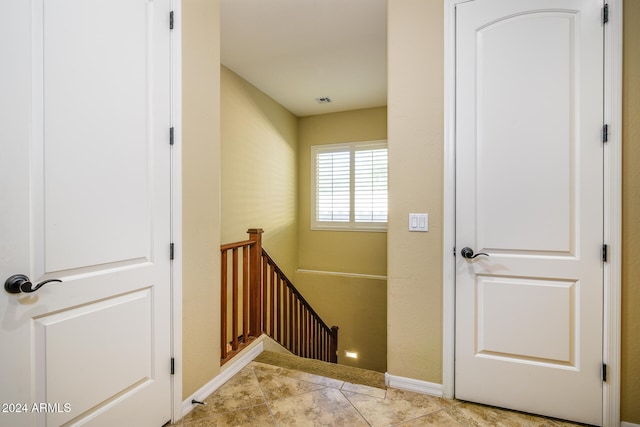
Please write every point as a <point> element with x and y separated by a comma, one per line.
<point>265,395</point>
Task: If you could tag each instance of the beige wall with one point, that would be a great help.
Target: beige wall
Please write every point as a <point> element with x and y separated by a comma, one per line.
<point>357,305</point>
<point>415,102</point>
<point>342,251</point>
<point>259,169</point>
<point>630,410</point>
<point>201,193</point>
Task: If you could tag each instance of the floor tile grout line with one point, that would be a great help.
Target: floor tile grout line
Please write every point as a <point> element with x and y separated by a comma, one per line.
<point>293,377</point>
<point>184,422</point>
<point>264,396</point>
<point>441,409</point>
<point>354,406</point>
<point>438,407</point>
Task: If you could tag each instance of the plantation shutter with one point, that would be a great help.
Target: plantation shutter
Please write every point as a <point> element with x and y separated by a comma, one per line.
<point>370,185</point>
<point>349,186</point>
<point>333,190</point>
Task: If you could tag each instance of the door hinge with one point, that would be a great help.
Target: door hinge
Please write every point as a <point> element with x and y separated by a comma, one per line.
<point>171,251</point>
<point>171,20</point>
<point>604,372</point>
<point>604,253</point>
<point>171,135</point>
<point>605,14</point>
<point>605,133</point>
<point>173,366</point>
<point>454,251</point>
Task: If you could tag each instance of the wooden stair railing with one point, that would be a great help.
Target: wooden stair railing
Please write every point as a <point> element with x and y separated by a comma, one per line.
<point>264,300</point>
<point>290,319</point>
<point>244,301</point>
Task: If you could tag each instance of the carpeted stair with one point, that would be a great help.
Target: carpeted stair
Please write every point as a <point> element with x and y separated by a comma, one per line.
<point>325,369</point>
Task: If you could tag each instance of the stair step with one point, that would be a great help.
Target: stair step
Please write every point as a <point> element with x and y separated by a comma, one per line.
<point>325,369</point>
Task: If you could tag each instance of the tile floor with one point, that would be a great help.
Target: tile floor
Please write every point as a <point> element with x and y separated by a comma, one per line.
<point>265,395</point>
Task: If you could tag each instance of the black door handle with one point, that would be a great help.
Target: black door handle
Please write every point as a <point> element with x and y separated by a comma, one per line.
<point>21,283</point>
<point>467,253</point>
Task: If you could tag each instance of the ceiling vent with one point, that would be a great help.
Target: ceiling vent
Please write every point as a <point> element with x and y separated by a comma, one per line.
<point>323,100</point>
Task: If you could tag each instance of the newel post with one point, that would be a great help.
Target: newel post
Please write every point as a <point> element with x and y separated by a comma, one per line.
<point>255,285</point>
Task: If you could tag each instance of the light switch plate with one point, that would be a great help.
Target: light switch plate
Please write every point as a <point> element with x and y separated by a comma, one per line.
<point>418,222</point>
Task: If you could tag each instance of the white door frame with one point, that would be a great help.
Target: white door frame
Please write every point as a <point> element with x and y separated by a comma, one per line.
<point>176,211</point>
<point>612,208</point>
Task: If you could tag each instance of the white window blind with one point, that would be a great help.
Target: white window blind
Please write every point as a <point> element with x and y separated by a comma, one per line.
<point>349,186</point>
<point>370,182</point>
<point>333,186</point>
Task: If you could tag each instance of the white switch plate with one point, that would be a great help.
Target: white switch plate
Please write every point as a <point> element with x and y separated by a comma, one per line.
<point>418,222</point>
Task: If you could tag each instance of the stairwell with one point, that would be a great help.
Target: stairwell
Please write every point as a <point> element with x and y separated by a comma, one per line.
<point>257,298</point>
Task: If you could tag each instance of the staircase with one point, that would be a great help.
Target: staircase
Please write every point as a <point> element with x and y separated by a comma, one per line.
<point>257,298</point>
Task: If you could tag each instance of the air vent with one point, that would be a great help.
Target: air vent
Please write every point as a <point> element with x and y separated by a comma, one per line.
<point>323,100</point>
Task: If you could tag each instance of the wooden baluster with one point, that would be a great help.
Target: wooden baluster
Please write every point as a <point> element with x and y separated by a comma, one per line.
<point>310,323</point>
<point>223,307</point>
<point>283,313</point>
<point>285,308</point>
<point>318,340</point>
<point>290,319</point>
<point>325,345</point>
<point>307,332</point>
<point>245,294</point>
<point>279,309</point>
<point>234,300</point>
<point>310,326</point>
<point>303,337</point>
<point>271,302</point>
<point>265,295</point>
<point>301,328</point>
<point>296,330</point>
<point>321,342</point>
<point>314,338</point>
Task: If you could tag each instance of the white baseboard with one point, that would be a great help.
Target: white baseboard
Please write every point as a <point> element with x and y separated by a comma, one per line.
<point>626,424</point>
<point>410,384</point>
<point>235,366</point>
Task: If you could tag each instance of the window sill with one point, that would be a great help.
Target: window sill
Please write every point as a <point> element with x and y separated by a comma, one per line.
<point>350,227</point>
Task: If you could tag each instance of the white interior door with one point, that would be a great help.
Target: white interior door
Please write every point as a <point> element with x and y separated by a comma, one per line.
<point>85,199</point>
<point>529,191</point>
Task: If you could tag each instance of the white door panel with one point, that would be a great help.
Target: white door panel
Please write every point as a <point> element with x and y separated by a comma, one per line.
<point>81,57</point>
<point>97,333</point>
<point>85,198</point>
<point>529,193</point>
<point>512,325</point>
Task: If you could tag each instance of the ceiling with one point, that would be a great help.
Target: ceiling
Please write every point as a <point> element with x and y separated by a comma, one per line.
<point>296,51</point>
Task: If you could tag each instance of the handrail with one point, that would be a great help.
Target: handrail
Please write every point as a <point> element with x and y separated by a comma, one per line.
<point>302,331</point>
<point>264,300</point>
<point>228,246</point>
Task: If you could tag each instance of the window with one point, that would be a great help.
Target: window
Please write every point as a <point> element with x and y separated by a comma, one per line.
<point>349,186</point>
